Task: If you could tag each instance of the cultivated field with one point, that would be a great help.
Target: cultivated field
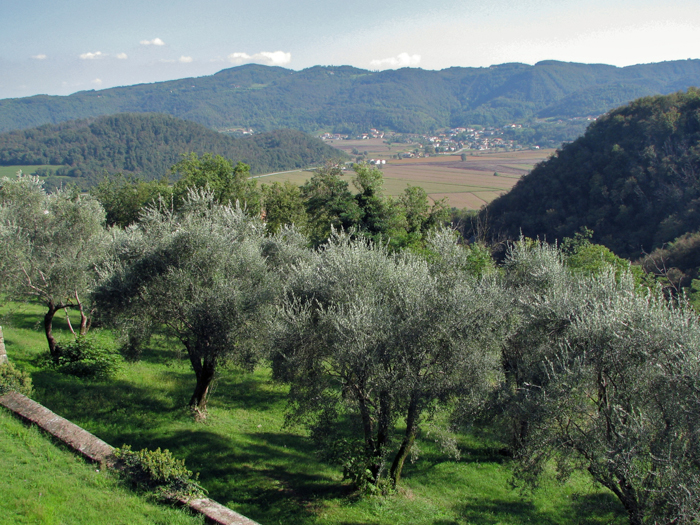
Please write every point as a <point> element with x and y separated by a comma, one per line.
<point>375,148</point>
<point>466,184</point>
<point>11,171</point>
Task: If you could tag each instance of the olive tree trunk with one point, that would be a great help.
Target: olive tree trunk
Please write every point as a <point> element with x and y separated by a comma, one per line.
<point>407,443</point>
<point>204,370</point>
<point>48,329</point>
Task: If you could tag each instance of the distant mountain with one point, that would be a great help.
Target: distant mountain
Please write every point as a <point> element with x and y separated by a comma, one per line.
<point>147,145</point>
<point>633,178</point>
<point>347,99</point>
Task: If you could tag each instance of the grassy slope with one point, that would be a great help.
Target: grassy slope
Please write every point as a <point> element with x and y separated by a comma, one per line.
<point>43,483</point>
<point>249,462</point>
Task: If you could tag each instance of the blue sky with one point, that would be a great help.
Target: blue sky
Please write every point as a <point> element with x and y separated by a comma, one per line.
<point>57,48</point>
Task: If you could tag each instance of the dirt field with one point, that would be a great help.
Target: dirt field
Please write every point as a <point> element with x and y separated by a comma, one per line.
<point>466,184</point>
<point>375,148</point>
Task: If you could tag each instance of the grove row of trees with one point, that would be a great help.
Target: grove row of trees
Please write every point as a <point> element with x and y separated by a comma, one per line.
<point>564,353</point>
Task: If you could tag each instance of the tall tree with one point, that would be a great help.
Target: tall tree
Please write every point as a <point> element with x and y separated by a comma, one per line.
<point>228,183</point>
<point>329,203</point>
<point>125,198</point>
<point>283,205</point>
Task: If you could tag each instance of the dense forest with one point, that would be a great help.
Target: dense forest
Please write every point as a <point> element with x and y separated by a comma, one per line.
<point>346,99</point>
<point>147,145</point>
<point>633,179</point>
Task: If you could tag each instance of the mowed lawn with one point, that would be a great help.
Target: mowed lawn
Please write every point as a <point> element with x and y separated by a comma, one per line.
<point>251,462</point>
<point>466,184</point>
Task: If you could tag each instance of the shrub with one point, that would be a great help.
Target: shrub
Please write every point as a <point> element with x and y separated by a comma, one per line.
<point>83,357</point>
<point>14,380</point>
<point>158,473</point>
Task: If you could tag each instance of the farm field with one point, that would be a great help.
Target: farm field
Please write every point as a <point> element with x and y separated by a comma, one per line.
<point>375,148</point>
<point>251,462</point>
<point>11,171</point>
<point>466,184</point>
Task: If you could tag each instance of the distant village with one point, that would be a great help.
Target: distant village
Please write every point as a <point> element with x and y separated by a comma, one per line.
<point>447,141</point>
<point>511,137</point>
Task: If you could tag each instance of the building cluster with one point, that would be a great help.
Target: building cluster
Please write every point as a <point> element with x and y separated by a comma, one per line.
<point>452,140</point>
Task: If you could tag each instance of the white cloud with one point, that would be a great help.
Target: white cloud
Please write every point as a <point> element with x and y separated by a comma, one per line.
<point>39,57</point>
<point>154,42</point>
<point>97,82</point>
<point>276,58</point>
<point>93,56</point>
<point>185,60</point>
<point>122,56</point>
<point>401,60</point>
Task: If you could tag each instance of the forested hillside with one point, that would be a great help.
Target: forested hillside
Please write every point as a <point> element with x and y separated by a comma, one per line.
<point>633,178</point>
<point>147,145</point>
<point>346,99</point>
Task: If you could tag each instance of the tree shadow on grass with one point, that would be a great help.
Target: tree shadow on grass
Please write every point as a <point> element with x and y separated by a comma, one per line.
<point>240,390</point>
<point>583,510</point>
<point>109,409</point>
<point>22,320</point>
<point>266,476</point>
<point>599,504</point>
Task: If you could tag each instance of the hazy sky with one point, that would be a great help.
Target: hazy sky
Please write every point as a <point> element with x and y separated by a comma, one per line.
<point>60,47</point>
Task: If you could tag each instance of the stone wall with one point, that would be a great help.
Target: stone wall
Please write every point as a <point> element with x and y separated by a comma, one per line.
<point>3,352</point>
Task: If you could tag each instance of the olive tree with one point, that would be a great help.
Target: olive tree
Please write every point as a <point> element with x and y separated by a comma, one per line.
<point>542,300</point>
<point>201,274</point>
<point>369,340</point>
<point>606,379</point>
<point>51,242</point>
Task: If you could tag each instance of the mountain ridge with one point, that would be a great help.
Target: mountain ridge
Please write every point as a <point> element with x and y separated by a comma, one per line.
<point>348,99</point>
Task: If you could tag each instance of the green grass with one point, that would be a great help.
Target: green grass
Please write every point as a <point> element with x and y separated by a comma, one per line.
<point>248,461</point>
<point>44,483</point>
<point>11,171</point>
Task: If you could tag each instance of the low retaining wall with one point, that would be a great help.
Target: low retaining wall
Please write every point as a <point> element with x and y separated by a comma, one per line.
<point>3,352</point>
<point>94,449</point>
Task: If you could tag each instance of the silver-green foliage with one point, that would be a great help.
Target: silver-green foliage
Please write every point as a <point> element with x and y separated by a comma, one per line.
<point>201,273</point>
<point>607,379</point>
<point>369,339</point>
<point>50,242</point>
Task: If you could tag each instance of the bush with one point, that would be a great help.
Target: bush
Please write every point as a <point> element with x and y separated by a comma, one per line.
<point>14,380</point>
<point>82,357</point>
<point>158,473</point>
